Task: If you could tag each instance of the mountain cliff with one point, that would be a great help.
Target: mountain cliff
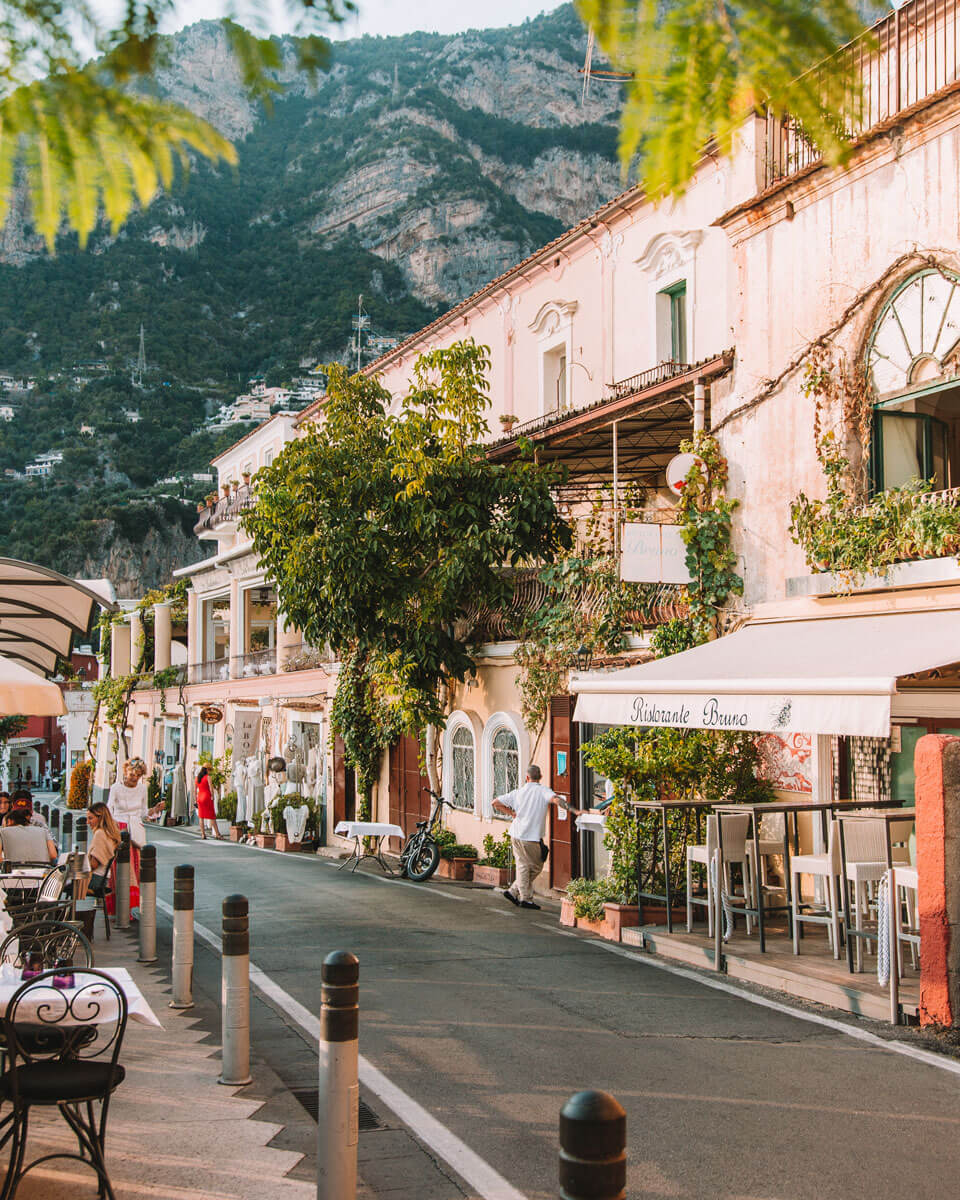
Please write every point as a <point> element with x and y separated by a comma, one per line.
<point>414,171</point>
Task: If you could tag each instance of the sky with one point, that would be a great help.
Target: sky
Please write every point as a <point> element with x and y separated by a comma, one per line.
<point>392,16</point>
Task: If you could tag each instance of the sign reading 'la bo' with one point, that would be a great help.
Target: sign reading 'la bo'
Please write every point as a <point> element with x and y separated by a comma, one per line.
<point>653,554</point>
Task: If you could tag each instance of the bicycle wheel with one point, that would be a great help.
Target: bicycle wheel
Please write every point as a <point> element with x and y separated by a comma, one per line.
<point>423,861</point>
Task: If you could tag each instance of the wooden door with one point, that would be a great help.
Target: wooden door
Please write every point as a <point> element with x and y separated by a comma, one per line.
<point>408,802</point>
<point>564,858</point>
<point>339,784</point>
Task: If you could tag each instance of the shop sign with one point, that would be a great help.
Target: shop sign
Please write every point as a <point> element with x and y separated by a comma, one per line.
<point>652,553</point>
<point>246,733</point>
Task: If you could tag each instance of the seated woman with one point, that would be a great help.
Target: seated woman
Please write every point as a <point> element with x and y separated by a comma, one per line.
<point>21,842</point>
<point>103,844</point>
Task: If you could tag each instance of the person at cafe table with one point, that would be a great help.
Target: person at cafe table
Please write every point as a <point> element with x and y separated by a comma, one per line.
<point>22,842</point>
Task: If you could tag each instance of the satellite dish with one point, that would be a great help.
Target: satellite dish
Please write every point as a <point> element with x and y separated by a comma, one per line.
<point>677,470</point>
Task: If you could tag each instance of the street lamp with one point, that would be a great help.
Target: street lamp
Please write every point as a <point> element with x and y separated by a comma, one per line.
<point>584,657</point>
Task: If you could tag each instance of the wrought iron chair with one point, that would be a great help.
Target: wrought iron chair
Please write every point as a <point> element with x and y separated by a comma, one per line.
<point>63,1047</point>
<point>49,901</point>
<point>56,942</point>
<point>100,888</point>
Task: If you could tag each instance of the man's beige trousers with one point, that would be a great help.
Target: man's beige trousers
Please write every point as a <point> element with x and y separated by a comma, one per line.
<point>529,865</point>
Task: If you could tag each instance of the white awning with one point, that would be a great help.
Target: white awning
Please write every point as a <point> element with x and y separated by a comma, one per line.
<point>23,690</point>
<point>41,610</point>
<point>823,675</point>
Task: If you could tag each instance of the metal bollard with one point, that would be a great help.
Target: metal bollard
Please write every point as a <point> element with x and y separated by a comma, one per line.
<point>67,830</point>
<point>182,938</point>
<point>36,806</point>
<point>123,881</point>
<point>55,823</point>
<point>593,1148</point>
<point>339,1095</point>
<point>235,992</point>
<point>80,835</point>
<point>148,905</point>
<point>45,813</point>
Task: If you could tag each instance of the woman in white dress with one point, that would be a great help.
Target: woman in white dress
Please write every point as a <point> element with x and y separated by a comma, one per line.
<point>127,803</point>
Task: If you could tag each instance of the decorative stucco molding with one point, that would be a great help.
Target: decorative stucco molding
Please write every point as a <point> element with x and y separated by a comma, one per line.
<point>552,315</point>
<point>669,251</point>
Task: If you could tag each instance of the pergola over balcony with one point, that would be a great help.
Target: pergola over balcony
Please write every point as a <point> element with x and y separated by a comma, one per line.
<point>627,437</point>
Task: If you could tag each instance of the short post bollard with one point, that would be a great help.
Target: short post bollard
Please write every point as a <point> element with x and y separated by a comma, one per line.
<point>339,1096</point>
<point>80,835</point>
<point>593,1148</point>
<point>235,992</point>
<point>182,937</point>
<point>45,813</point>
<point>123,881</point>
<point>148,904</point>
<point>67,831</point>
<point>55,823</point>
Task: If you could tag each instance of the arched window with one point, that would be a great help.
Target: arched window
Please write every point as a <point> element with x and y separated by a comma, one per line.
<point>506,762</point>
<point>911,363</point>
<point>463,756</point>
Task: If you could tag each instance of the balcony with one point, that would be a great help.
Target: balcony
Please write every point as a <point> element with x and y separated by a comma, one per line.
<point>907,59</point>
<point>216,671</point>
<point>257,662</point>
<point>224,516</point>
<point>660,602</point>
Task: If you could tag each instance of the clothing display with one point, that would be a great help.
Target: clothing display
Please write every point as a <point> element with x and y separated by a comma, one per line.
<point>178,793</point>
<point>240,787</point>
<point>295,820</point>
<point>256,786</point>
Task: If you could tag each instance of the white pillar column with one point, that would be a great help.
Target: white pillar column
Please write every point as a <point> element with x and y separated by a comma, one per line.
<point>236,627</point>
<point>120,650</point>
<point>136,640</point>
<point>194,633</point>
<point>162,636</point>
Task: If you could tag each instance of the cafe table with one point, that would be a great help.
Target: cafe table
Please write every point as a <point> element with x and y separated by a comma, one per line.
<point>663,807</point>
<point>359,831</point>
<point>788,808</point>
<point>888,817</point>
<point>137,1007</point>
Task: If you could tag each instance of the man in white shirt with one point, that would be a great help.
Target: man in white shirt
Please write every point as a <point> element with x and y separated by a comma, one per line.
<point>528,806</point>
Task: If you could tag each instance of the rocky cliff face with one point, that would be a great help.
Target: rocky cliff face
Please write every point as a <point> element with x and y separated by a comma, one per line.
<point>132,567</point>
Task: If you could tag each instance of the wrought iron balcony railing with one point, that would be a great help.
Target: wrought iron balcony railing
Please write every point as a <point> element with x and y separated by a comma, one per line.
<point>227,508</point>
<point>906,58</point>
<point>257,662</point>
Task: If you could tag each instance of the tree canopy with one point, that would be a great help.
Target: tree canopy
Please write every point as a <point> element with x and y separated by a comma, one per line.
<point>89,134</point>
<point>387,523</point>
<point>695,69</point>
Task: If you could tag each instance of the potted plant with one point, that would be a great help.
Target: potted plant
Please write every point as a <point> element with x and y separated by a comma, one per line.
<point>283,842</point>
<point>238,831</point>
<point>494,869</point>
<point>264,836</point>
<point>456,858</point>
<point>588,898</point>
<point>201,506</point>
<point>507,421</point>
<point>245,476</point>
<point>225,488</point>
<point>211,499</point>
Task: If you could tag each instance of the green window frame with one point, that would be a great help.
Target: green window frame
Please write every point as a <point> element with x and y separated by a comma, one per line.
<point>677,297</point>
<point>932,431</point>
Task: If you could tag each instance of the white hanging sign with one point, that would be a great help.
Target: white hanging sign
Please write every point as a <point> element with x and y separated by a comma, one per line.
<point>653,553</point>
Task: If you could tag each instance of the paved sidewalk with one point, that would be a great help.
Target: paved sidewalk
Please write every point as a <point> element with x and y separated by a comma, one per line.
<point>174,1133</point>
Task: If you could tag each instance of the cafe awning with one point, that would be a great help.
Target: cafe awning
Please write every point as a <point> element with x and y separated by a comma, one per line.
<point>831,675</point>
<point>41,610</point>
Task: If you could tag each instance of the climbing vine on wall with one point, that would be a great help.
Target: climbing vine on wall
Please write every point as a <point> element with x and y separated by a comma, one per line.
<point>706,527</point>
<point>364,723</point>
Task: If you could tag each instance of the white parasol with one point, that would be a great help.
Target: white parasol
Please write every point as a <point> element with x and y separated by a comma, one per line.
<point>24,691</point>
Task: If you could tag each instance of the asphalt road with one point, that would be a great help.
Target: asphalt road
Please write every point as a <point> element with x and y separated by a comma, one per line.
<point>490,1018</point>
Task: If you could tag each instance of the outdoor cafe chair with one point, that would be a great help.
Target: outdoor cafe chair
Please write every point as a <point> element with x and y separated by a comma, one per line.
<point>865,851</point>
<point>62,1047</point>
<point>905,880</point>
<point>55,941</point>
<point>48,901</point>
<point>825,867</point>
<point>735,829</point>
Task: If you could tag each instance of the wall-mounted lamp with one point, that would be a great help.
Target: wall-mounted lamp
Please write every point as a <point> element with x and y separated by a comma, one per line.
<point>584,658</point>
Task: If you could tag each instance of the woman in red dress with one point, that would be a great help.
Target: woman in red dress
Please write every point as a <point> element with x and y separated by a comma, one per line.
<point>205,809</point>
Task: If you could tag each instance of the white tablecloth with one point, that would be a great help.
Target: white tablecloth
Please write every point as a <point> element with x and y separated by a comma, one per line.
<point>138,1008</point>
<point>352,829</point>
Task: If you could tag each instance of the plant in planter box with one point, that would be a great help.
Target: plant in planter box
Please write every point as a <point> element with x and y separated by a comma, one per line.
<point>589,897</point>
<point>496,865</point>
<point>227,807</point>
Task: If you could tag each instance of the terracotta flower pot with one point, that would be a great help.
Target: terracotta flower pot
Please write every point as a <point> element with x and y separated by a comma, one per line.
<point>266,840</point>
<point>618,917</point>
<point>460,869</point>
<point>284,843</point>
<point>656,914</point>
<point>596,927</point>
<point>567,916</point>
<point>491,876</point>
<point>236,833</point>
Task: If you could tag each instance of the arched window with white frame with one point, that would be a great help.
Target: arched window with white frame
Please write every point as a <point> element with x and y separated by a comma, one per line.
<point>505,755</point>
<point>461,761</point>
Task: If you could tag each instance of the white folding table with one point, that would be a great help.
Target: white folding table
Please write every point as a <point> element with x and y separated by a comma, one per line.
<point>358,830</point>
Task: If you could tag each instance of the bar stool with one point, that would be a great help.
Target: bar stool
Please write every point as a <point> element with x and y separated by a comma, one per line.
<point>735,829</point>
<point>826,867</point>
